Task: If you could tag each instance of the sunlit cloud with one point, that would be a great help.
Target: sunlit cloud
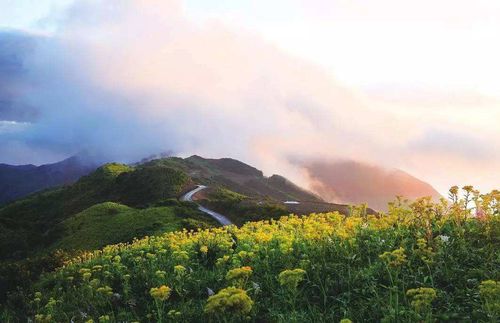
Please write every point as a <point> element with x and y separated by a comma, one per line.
<point>131,78</point>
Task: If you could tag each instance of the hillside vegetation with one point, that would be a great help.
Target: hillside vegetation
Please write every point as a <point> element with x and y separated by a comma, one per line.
<point>238,177</point>
<point>419,262</point>
<point>33,223</point>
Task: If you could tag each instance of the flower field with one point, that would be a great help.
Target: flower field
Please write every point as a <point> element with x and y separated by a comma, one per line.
<point>422,261</point>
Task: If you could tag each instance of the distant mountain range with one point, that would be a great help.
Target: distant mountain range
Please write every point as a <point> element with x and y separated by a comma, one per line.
<point>355,182</point>
<point>347,182</point>
<point>19,181</point>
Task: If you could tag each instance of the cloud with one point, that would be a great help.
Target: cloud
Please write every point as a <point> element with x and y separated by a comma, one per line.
<point>460,145</point>
<point>137,77</point>
<point>131,78</point>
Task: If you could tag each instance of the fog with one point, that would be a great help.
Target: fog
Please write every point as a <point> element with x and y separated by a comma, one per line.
<point>126,79</point>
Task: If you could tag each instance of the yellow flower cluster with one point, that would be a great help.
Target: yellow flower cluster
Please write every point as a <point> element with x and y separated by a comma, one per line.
<point>161,293</point>
<point>239,276</point>
<point>229,300</point>
<point>395,258</point>
<point>291,278</point>
<point>421,298</point>
<point>179,270</point>
<point>424,251</point>
<point>105,290</point>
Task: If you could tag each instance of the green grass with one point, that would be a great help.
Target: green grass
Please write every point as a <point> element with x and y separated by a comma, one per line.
<point>240,208</point>
<point>31,224</point>
<point>110,223</point>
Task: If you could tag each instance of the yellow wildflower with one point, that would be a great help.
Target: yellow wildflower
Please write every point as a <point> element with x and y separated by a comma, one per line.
<point>104,319</point>
<point>179,270</point>
<point>291,278</point>
<point>161,293</point>
<point>394,258</point>
<point>239,276</point>
<point>421,298</point>
<point>233,300</point>
<point>106,290</point>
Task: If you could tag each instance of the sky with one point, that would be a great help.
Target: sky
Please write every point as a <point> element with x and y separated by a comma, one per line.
<point>413,85</point>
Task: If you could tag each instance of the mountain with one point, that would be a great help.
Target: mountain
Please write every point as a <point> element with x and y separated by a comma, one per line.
<point>355,182</point>
<point>20,181</point>
<point>239,177</point>
<point>257,196</point>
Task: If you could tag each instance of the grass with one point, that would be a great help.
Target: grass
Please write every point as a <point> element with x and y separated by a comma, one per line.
<point>31,224</point>
<point>240,208</point>
<point>422,262</point>
<point>110,223</point>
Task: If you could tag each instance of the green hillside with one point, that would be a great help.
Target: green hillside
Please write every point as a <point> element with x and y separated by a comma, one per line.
<point>238,177</point>
<point>32,223</point>
<point>110,223</point>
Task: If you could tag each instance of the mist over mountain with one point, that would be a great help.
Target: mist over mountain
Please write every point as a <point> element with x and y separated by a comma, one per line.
<point>354,182</point>
<point>173,83</point>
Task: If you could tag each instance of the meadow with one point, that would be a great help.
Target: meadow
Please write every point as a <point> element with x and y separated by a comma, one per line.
<point>420,262</point>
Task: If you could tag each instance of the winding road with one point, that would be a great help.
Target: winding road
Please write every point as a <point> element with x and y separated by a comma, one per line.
<point>218,217</point>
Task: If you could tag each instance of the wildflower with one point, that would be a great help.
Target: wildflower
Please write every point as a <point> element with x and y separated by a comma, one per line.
<point>444,238</point>
<point>39,317</point>
<point>173,313</point>
<point>104,319</point>
<point>51,303</point>
<point>180,256</point>
<point>97,268</point>
<point>38,297</point>
<point>490,294</point>
<point>345,321</point>
<point>291,278</point>
<point>86,274</point>
<point>160,274</point>
<point>94,282</point>
<point>179,270</point>
<point>421,297</point>
<point>239,275</point>
<point>221,261</point>
<point>204,249</point>
<point>256,287</point>
<point>424,252</point>
<point>233,300</point>
<point>161,293</point>
<point>394,258</point>
<point>106,290</point>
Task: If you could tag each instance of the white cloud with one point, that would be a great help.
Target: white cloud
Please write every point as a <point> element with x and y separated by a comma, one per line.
<point>132,78</point>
